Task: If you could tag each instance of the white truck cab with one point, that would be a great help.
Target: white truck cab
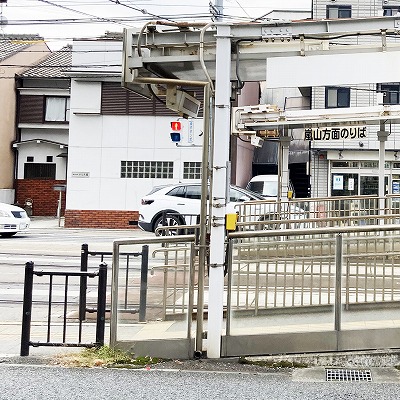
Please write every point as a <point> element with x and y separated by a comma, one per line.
<point>267,186</point>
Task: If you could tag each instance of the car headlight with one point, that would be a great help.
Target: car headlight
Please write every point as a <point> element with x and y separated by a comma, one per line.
<point>4,214</point>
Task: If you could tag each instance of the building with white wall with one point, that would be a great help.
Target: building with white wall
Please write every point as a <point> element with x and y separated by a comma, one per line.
<point>355,162</point>
<point>41,146</point>
<point>119,142</point>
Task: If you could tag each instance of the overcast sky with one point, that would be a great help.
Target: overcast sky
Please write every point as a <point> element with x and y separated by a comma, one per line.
<point>59,21</point>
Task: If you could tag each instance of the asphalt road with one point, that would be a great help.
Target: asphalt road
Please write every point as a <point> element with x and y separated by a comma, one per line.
<point>43,382</point>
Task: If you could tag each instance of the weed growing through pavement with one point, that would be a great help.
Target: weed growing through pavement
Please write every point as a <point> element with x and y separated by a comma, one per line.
<point>104,356</point>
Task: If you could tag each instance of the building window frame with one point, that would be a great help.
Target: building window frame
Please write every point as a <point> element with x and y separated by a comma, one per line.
<point>147,169</point>
<point>338,11</point>
<point>391,92</point>
<point>389,11</point>
<point>57,109</point>
<point>192,170</point>
<point>337,97</point>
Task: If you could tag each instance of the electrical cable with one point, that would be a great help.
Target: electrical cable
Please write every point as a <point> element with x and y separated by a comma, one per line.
<point>118,2</point>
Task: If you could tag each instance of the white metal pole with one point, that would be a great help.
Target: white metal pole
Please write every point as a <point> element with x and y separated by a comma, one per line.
<point>220,189</point>
<point>284,143</point>
<point>382,137</point>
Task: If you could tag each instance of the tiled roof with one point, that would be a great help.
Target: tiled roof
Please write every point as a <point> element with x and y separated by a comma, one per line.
<point>12,44</point>
<point>55,65</point>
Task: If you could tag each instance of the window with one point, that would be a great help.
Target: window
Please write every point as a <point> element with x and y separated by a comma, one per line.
<point>57,109</point>
<point>344,164</point>
<point>390,10</point>
<point>391,93</point>
<point>344,184</point>
<point>49,158</point>
<point>39,171</point>
<point>177,192</point>
<point>193,192</point>
<point>192,170</point>
<point>236,195</point>
<point>147,169</point>
<point>369,164</point>
<point>337,97</point>
<point>30,159</point>
<point>188,192</point>
<point>338,12</point>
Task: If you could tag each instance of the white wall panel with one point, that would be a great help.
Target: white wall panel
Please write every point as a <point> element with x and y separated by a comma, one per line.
<point>85,131</point>
<point>112,194</point>
<point>89,100</point>
<point>333,69</point>
<point>111,162</point>
<point>84,160</point>
<point>115,131</point>
<point>83,194</point>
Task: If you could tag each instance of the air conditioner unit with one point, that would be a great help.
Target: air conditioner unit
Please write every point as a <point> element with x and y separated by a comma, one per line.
<point>182,102</point>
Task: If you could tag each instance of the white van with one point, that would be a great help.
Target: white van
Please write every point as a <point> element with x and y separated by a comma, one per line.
<point>266,186</point>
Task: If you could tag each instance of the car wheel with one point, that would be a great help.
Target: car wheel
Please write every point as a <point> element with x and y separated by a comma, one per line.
<point>8,234</point>
<point>168,221</point>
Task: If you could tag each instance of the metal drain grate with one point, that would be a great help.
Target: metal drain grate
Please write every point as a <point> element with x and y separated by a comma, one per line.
<point>348,375</point>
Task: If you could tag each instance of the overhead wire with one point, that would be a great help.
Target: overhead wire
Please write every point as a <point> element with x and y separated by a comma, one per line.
<point>76,11</point>
<point>138,6</point>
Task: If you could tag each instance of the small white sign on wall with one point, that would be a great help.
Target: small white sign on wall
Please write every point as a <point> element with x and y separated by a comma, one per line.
<point>351,183</point>
<point>191,132</point>
<point>80,174</point>
<point>337,182</point>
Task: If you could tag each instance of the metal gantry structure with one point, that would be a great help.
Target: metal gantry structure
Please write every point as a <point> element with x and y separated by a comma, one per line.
<point>222,56</point>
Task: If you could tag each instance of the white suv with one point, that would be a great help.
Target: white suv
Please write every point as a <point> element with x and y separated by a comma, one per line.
<point>180,205</point>
<point>13,219</point>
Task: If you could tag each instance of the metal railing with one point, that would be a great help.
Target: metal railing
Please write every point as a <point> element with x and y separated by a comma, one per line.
<point>63,333</point>
<point>132,262</point>
<point>319,212</point>
<point>312,269</point>
<point>171,281</point>
<point>294,273</point>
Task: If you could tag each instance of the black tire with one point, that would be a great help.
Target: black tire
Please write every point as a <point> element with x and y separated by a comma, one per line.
<point>8,234</point>
<point>170,220</point>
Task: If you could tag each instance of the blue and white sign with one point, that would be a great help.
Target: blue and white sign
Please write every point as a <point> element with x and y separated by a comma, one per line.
<point>191,132</point>
<point>337,182</point>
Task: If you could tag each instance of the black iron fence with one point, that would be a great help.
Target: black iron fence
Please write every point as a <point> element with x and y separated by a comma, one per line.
<point>63,340</point>
<point>81,281</point>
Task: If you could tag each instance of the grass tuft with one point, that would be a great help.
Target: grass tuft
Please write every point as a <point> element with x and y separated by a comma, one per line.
<point>104,357</point>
